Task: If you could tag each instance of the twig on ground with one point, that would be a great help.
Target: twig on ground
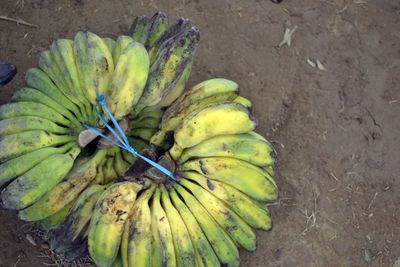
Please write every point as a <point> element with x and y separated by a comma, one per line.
<point>19,21</point>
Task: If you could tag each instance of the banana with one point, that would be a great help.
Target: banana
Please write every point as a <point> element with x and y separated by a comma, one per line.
<point>110,44</point>
<point>240,174</point>
<point>109,172</point>
<point>121,43</point>
<point>128,79</point>
<point>149,112</point>
<point>107,224</point>
<point>143,133</point>
<point>54,220</point>
<point>244,101</point>
<point>66,191</point>
<point>20,165</point>
<point>137,232</point>
<point>31,186</point>
<point>237,229</point>
<point>120,165</point>
<point>39,80</point>
<point>27,94</point>
<point>63,54</point>
<point>185,254</point>
<point>163,252</point>
<point>168,67</point>
<point>29,123</point>
<point>70,234</point>
<point>269,170</point>
<point>253,212</point>
<point>170,121</point>
<point>99,173</point>
<point>155,28</point>
<point>94,63</point>
<point>137,29</point>
<point>144,123</point>
<point>222,244</point>
<point>241,146</point>
<point>205,255</point>
<point>214,119</point>
<point>127,156</point>
<point>181,26</point>
<point>18,109</point>
<point>137,143</point>
<point>18,144</point>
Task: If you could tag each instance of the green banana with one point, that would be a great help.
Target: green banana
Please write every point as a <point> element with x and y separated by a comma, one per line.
<point>137,231</point>
<point>143,133</point>
<point>63,54</point>
<point>128,80</point>
<point>66,191</point>
<point>39,80</point>
<point>29,123</point>
<point>20,165</point>
<point>149,112</point>
<point>120,165</point>
<point>236,227</point>
<point>222,244</point>
<point>107,224</point>
<point>168,67</point>
<point>54,220</point>
<point>185,254</point>
<point>15,145</point>
<point>94,63</point>
<point>127,156</point>
<point>163,251</point>
<point>240,174</point>
<point>31,186</point>
<point>144,123</point>
<point>70,234</point>
<point>109,173</point>
<point>205,255</point>
<point>241,146</point>
<point>170,121</point>
<point>27,94</point>
<point>214,119</point>
<point>18,109</point>
<point>253,212</point>
<point>137,29</point>
<point>155,28</point>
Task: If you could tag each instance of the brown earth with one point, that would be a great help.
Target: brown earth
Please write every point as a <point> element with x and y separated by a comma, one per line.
<point>336,131</point>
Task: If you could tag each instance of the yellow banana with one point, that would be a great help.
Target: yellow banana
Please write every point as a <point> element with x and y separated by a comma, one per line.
<point>94,63</point>
<point>110,44</point>
<point>163,251</point>
<point>241,146</point>
<point>185,254</point>
<point>155,28</point>
<point>236,228</point>
<point>128,79</point>
<point>107,224</point>
<point>205,255</point>
<point>215,119</point>
<point>222,244</point>
<point>244,101</point>
<point>242,175</point>
<point>136,238</point>
<point>121,43</point>
<point>253,212</point>
<point>54,220</point>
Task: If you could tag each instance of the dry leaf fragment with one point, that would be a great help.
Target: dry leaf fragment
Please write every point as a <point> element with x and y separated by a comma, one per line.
<point>311,63</point>
<point>287,36</point>
<point>320,66</point>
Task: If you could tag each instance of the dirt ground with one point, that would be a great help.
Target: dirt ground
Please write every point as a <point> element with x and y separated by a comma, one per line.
<point>336,131</point>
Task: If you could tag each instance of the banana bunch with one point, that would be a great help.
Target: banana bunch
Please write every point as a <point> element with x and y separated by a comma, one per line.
<point>97,198</point>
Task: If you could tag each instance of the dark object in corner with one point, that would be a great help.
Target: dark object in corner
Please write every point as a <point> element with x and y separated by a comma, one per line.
<point>276,1</point>
<point>7,72</point>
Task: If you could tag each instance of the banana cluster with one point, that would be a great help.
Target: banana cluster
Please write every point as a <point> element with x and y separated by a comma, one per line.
<point>97,198</point>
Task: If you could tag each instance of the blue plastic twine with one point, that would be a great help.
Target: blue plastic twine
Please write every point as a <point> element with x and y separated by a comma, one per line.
<point>121,137</point>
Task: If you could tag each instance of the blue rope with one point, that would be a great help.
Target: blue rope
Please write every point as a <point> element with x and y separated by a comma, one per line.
<point>122,139</point>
